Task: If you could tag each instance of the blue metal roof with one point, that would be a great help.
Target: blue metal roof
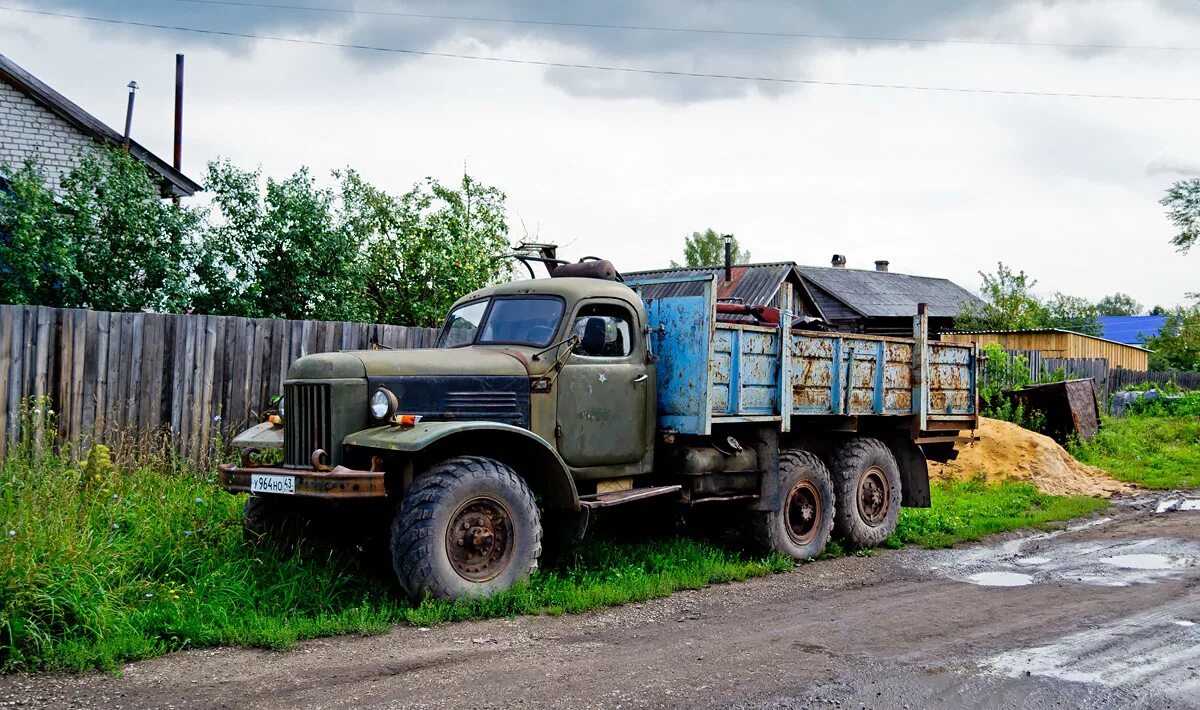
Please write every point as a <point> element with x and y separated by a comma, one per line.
<point>1131,330</point>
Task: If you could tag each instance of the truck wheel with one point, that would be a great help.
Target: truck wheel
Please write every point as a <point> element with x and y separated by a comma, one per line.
<point>867,481</point>
<point>468,527</point>
<point>801,527</point>
<point>269,519</point>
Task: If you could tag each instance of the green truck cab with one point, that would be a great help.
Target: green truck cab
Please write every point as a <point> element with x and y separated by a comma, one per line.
<point>546,399</point>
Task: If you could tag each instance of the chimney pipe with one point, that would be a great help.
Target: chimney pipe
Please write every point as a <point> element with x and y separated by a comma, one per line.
<point>133,87</point>
<point>177,160</point>
<point>881,265</point>
<point>838,261</point>
<point>728,257</point>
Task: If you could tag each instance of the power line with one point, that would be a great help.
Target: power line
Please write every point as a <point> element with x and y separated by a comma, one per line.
<point>600,67</point>
<point>690,30</point>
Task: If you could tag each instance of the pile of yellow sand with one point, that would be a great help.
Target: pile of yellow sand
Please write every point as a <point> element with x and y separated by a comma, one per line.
<point>1006,451</point>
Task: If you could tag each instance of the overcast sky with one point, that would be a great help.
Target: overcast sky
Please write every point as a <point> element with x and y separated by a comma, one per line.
<point>625,165</point>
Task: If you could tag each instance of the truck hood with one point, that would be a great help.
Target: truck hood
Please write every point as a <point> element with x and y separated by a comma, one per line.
<point>476,361</point>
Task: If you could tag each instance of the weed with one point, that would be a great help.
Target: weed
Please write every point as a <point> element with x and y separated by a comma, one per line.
<point>1151,451</point>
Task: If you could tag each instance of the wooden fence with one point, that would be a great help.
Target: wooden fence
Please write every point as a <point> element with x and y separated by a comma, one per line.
<point>189,377</point>
<point>1119,379</point>
<point>1108,380</point>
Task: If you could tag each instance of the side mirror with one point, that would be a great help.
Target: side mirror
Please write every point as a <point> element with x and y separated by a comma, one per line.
<point>593,336</point>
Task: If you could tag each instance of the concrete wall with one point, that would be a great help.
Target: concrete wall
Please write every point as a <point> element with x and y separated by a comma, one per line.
<point>27,129</point>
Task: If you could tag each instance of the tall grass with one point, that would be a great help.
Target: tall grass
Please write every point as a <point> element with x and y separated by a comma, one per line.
<point>1149,450</point>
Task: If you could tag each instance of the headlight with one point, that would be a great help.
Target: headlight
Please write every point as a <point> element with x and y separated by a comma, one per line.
<point>279,407</point>
<point>383,404</point>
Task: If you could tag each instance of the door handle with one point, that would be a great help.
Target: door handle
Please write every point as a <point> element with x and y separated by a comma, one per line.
<point>641,378</point>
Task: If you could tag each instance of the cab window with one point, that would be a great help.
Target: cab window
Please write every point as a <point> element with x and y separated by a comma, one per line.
<point>603,331</point>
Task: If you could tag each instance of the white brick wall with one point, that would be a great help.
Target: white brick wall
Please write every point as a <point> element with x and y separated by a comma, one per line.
<point>27,129</point>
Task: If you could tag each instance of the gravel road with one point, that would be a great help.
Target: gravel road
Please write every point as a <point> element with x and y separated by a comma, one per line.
<point>1103,614</point>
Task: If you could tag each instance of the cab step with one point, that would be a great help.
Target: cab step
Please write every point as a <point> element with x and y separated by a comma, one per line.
<point>607,500</point>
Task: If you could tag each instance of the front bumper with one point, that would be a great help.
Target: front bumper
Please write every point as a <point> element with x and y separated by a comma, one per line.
<point>339,483</point>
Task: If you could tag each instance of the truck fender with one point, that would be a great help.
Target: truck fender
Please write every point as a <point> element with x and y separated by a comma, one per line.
<point>427,443</point>
<point>914,472</point>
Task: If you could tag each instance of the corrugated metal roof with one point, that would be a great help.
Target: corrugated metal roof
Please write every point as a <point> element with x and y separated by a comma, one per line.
<point>753,283</point>
<point>1036,331</point>
<point>1131,330</point>
<point>877,294</point>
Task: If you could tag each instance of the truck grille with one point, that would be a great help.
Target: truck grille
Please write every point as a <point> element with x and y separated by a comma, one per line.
<point>306,424</point>
<point>484,405</point>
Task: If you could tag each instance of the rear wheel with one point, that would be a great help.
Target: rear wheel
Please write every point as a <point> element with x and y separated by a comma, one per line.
<point>467,527</point>
<point>802,524</point>
<point>867,480</point>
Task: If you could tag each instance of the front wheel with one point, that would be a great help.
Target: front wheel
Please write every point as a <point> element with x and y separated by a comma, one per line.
<point>468,527</point>
<point>801,526</point>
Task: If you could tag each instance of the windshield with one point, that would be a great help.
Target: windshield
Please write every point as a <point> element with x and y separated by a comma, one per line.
<point>527,320</point>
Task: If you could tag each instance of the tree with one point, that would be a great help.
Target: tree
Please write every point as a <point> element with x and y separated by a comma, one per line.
<point>132,250</point>
<point>1118,304</point>
<point>426,248</point>
<point>1007,303</point>
<point>36,261</point>
<point>1183,209</point>
<point>1158,311</point>
<point>1177,345</point>
<point>1072,313</point>
<point>707,248</point>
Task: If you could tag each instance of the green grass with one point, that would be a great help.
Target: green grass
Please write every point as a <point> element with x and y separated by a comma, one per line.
<point>964,511</point>
<point>1151,451</point>
<point>99,566</point>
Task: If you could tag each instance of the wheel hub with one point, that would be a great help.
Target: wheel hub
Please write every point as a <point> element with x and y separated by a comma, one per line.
<point>479,539</point>
<point>803,512</point>
<point>874,496</point>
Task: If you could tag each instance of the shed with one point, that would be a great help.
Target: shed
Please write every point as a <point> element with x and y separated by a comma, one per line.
<point>1059,343</point>
<point>882,302</point>
<point>38,122</point>
<point>752,284</point>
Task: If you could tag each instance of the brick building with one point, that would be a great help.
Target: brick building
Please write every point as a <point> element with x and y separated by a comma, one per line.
<point>38,122</point>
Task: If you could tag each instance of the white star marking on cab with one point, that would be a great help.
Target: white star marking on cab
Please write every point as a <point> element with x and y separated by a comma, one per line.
<point>603,378</point>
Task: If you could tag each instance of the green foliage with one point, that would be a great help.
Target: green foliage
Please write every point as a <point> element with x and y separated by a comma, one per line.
<point>964,511</point>
<point>1118,304</point>
<point>707,248</point>
<point>1177,345</point>
<point>1183,209</point>
<point>1173,404</point>
<point>1072,313</point>
<point>1008,303</point>
<point>1149,450</point>
<point>1004,372</point>
<point>36,261</point>
<point>132,251</point>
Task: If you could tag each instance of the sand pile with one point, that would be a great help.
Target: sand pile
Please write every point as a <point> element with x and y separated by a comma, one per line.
<point>1007,452</point>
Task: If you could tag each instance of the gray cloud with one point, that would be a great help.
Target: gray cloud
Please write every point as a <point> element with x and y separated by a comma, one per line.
<point>1167,165</point>
<point>691,52</point>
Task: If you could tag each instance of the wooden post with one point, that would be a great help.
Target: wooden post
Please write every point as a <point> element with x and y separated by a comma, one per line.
<point>920,368</point>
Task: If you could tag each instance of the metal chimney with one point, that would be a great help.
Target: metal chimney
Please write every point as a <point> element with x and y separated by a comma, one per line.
<point>881,265</point>
<point>728,256</point>
<point>133,87</point>
<point>838,261</point>
<point>177,161</point>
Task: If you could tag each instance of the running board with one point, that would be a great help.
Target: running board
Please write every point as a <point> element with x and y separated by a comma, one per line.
<point>607,500</point>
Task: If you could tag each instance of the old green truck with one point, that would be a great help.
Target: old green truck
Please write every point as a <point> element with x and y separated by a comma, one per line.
<point>548,399</point>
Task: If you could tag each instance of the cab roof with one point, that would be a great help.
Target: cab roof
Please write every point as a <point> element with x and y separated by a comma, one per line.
<point>570,288</point>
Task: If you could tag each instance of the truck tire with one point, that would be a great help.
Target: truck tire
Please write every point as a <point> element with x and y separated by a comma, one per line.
<point>802,525</point>
<point>468,527</point>
<point>867,480</point>
<point>270,519</point>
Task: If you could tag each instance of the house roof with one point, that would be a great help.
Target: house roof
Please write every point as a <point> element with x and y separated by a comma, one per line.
<point>752,283</point>
<point>172,181</point>
<point>884,294</point>
<point>1131,330</point>
<point>1035,331</point>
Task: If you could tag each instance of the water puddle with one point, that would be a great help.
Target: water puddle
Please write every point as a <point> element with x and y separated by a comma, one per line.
<point>1171,505</point>
<point>1031,561</point>
<point>1143,561</point>
<point>1001,579</point>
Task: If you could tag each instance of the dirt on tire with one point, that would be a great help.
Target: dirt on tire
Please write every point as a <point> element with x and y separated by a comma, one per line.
<point>848,464</point>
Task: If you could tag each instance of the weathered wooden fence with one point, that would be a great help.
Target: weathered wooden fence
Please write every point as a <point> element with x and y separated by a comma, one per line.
<point>1108,380</point>
<point>1119,379</point>
<point>189,377</point>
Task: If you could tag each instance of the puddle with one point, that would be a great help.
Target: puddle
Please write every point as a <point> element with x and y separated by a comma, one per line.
<point>1183,622</point>
<point>1143,561</point>
<point>1031,561</point>
<point>1171,505</point>
<point>1001,579</point>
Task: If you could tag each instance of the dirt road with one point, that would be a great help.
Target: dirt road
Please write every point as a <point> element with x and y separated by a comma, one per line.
<point>1104,614</point>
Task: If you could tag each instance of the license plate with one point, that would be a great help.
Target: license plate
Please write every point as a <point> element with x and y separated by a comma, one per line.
<point>266,483</point>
